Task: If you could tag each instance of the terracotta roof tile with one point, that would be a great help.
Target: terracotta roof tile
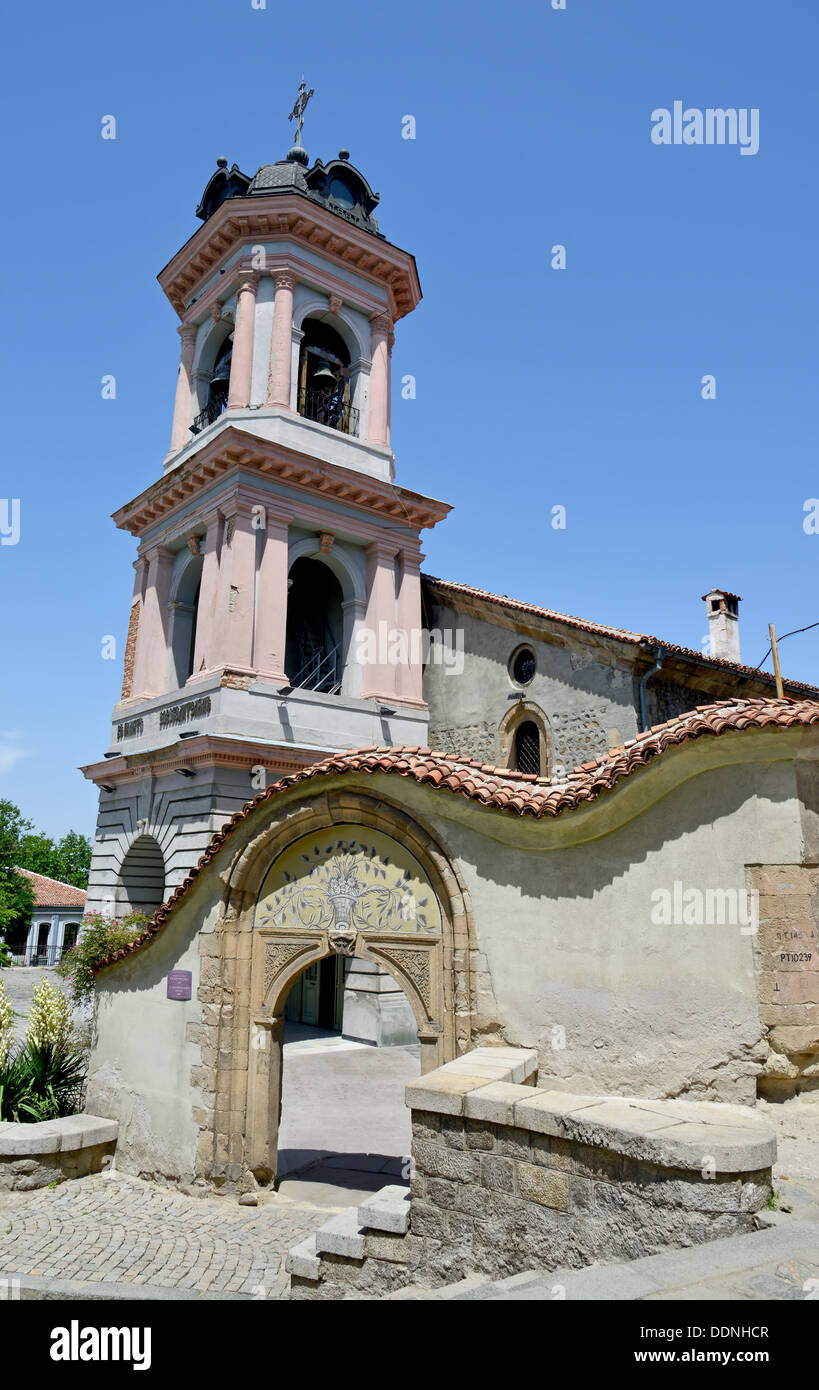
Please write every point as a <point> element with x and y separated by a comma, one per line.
<point>50,892</point>
<point>508,791</point>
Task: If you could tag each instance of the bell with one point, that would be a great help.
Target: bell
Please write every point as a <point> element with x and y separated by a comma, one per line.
<point>220,382</point>
<point>324,374</point>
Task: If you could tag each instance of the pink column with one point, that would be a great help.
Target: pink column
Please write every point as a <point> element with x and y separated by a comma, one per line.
<point>180,431</point>
<point>233,629</point>
<point>203,656</point>
<point>278,383</point>
<point>380,330</point>
<point>241,367</point>
<point>410,676</point>
<point>271,602</point>
<point>150,662</point>
<point>378,679</point>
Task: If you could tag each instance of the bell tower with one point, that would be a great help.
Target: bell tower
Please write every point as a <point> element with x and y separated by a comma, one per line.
<point>276,609</point>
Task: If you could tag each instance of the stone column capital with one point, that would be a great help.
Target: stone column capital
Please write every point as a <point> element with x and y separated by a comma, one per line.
<point>381,324</point>
<point>284,279</point>
<point>382,550</point>
<point>187,332</point>
<point>249,281</point>
<point>159,553</point>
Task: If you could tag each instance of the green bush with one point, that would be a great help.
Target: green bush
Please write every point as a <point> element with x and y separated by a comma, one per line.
<point>99,937</point>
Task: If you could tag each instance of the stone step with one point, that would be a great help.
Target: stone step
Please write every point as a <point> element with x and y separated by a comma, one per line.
<point>302,1260</point>
<point>341,1235</point>
<point>387,1210</point>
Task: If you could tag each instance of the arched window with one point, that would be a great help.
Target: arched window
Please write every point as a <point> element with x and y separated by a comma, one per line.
<point>527,748</point>
<point>185,609</point>
<point>524,740</point>
<point>325,387</point>
<point>315,628</point>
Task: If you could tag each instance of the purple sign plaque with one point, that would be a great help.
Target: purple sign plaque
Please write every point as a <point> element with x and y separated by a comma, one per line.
<point>179,984</point>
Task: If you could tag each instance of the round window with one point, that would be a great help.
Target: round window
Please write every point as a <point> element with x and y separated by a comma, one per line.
<point>524,665</point>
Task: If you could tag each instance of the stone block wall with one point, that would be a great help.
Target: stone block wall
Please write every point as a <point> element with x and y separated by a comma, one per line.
<point>51,1151</point>
<point>787,958</point>
<point>507,1178</point>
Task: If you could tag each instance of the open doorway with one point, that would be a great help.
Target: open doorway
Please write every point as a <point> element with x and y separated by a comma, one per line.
<point>344,1130</point>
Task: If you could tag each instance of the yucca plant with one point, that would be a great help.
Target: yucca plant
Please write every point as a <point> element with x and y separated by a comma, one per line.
<point>42,1082</point>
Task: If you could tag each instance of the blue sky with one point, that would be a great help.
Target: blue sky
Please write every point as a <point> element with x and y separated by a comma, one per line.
<point>535,387</point>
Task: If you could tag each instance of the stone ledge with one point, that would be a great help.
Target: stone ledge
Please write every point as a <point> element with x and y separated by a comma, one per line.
<point>486,1084</point>
<point>443,1090</point>
<point>56,1136</point>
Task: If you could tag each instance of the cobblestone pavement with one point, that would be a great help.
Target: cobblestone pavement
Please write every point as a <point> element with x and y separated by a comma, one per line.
<point>122,1230</point>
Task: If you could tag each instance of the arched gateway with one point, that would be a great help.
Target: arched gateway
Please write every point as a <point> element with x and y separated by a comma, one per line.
<point>346,873</point>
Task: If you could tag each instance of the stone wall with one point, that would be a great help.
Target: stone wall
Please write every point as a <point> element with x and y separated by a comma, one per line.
<point>507,1178</point>
<point>787,959</point>
<point>49,1152</point>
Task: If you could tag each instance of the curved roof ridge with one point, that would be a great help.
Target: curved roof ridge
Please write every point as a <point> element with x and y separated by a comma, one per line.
<point>504,789</point>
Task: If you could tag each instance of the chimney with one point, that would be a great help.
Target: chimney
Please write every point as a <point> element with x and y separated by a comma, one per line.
<point>723,624</point>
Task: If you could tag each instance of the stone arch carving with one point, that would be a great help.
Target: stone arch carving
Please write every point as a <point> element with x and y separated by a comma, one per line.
<point>258,961</point>
<point>524,711</point>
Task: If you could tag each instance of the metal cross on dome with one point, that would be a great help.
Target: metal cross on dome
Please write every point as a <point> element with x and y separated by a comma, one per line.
<point>297,114</point>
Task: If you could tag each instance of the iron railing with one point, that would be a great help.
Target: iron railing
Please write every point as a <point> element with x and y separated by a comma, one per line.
<point>325,409</point>
<point>212,411</point>
<point>320,672</point>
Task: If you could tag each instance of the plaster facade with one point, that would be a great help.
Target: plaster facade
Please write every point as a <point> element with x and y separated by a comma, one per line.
<point>549,939</point>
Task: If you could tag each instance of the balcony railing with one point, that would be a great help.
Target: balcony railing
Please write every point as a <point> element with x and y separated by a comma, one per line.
<point>325,409</point>
<point>212,411</point>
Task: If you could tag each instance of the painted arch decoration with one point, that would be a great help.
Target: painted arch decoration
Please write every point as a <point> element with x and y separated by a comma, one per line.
<point>346,881</point>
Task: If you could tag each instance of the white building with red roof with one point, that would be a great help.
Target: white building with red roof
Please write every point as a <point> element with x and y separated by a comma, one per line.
<point>55,919</point>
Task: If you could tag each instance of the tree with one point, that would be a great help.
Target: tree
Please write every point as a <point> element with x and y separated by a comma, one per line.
<point>67,860</point>
<point>22,847</point>
<point>16,893</point>
<point>73,859</point>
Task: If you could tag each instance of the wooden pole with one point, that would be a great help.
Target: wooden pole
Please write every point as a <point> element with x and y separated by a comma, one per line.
<point>777,672</point>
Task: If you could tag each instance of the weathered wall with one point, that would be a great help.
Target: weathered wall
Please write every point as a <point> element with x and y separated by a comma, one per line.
<point>145,1067</point>
<point>563,919</point>
<point>583,690</point>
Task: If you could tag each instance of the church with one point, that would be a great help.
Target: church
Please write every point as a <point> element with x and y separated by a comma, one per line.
<point>445,761</point>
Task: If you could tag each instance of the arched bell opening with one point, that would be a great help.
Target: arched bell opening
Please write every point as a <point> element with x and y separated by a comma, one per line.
<point>217,387</point>
<point>314,655</point>
<point>326,388</point>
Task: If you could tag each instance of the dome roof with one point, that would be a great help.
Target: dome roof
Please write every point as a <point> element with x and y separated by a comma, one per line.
<point>338,186</point>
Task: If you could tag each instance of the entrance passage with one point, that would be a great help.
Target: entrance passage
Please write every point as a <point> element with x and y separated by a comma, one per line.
<point>345,1130</point>
<point>317,997</point>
